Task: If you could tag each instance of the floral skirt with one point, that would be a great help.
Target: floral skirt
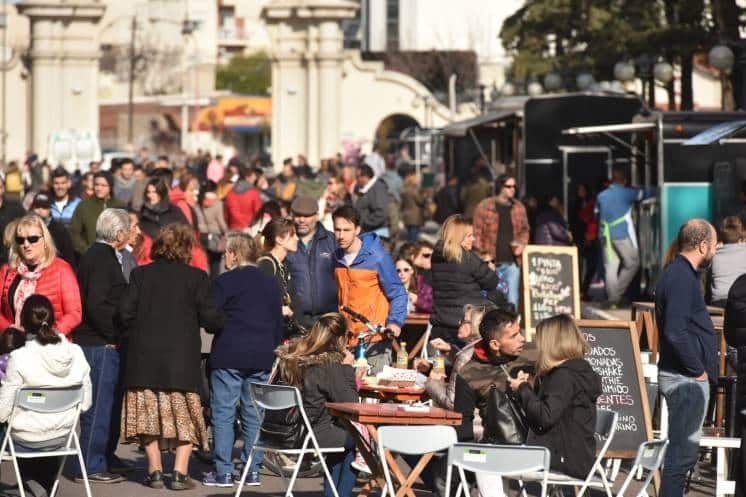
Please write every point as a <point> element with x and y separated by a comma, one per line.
<point>173,417</point>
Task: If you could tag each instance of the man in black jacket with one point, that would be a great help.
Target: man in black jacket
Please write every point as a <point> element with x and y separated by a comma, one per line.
<point>735,334</point>
<point>688,350</point>
<point>102,285</point>
<point>9,211</point>
<point>372,202</point>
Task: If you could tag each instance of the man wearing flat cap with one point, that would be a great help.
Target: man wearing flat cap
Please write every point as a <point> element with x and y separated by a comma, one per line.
<point>312,266</point>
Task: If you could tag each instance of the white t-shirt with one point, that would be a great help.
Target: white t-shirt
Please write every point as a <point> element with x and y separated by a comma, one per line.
<point>350,258</point>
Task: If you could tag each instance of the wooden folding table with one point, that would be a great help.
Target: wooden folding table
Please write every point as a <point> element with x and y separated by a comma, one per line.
<point>374,415</point>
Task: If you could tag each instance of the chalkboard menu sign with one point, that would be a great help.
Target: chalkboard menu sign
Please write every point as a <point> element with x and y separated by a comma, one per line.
<point>550,283</point>
<point>615,356</point>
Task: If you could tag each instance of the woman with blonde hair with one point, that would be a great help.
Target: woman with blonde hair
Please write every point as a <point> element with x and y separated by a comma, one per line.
<point>561,407</point>
<point>459,277</point>
<point>161,312</point>
<point>33,267</point>
<point>320,365</point>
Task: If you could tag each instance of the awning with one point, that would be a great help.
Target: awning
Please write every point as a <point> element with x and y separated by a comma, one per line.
<point>716,133</point>
<point>461,128</point>
<point>609,128</point>
<point>238,114</point>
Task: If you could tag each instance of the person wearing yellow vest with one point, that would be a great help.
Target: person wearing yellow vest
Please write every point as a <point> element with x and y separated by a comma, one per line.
<point>617,233</point>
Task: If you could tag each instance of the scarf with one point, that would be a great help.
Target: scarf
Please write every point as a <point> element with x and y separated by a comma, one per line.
<point>26,288</point>
<point>485,354</point>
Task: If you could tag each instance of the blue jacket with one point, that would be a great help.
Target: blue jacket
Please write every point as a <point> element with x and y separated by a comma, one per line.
<point>613,204</point>
<point>688,344</point>
<point>252,305</point>
<point>312,276</point>
<point>66,214</point>
<point>370,285</point>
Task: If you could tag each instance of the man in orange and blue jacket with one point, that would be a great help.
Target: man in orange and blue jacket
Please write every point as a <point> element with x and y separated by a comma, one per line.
<point>367,283</point>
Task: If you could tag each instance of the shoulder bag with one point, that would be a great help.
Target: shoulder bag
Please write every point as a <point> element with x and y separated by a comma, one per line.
<point>505,420</point>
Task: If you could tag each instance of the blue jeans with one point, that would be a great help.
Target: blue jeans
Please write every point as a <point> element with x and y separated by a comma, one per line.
<point>340,467</point>
<point>687,401</point>
<point>229,386</point>
<point>99,425</point>
<point>511,274</point>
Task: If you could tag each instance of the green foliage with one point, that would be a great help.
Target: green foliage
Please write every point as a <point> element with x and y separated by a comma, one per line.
<point>595,34</point>
<point>245,74</point>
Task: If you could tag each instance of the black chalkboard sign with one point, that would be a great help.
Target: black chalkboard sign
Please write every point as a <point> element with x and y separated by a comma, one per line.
<point>615,356</point>
<point>550,283</point>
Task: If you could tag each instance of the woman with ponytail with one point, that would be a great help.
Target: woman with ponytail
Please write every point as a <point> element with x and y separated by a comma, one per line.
<point>278,238</point>
<point>45,360</point>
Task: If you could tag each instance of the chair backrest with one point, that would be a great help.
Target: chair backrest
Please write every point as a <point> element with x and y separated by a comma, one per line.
<point>49,399</point>
<point>650,454</point>
<point>416,439</point>
<point>650,457</point>
<point>605,429</point>
<point>275,397</point>
<point>499,459</point>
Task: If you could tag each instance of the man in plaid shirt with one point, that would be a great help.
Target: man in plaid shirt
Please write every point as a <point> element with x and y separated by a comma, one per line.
<point>501,228</point>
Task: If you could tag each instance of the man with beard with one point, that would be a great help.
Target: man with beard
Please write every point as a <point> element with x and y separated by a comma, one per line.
<point>64,203</point>
<point>312,265</point>
<point>688,350</point>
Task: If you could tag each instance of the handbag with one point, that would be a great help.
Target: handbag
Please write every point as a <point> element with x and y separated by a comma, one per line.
<point>215,243</point>
<point>505,421</point>
<point>282,429</point>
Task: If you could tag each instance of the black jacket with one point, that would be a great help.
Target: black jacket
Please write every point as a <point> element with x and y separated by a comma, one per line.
<point>102,285</point>
<point>326,379</point>
<point>161,311</point>
<point>551,228</point>
<point>9,211</point>
<point>373,207</point>
<point>562,415</point>
<point>155,217</point>
<point>456,284</point>
<point>735,331</point>
<point>62,241</point>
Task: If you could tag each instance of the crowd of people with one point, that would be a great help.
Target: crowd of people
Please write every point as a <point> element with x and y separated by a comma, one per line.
<point>131,264</point>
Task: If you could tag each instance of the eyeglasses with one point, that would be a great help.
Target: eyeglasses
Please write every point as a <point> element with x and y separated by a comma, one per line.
<point>20,240</point>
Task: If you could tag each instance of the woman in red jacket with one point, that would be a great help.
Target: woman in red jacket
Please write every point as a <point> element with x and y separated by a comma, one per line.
<point>34,268</point>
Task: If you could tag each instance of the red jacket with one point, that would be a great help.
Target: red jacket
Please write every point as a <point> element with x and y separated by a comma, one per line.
<point>58,283</point>
<point>241,205</point>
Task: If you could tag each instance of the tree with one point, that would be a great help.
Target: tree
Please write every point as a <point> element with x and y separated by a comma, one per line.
<point>245,74</point>
<point>593,35</point>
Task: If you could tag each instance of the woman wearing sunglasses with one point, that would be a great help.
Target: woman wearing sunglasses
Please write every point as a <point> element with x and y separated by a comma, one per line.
<point>34,268</point>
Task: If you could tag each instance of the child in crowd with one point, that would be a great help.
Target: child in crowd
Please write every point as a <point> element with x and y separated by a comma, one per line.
<point>10,340</point>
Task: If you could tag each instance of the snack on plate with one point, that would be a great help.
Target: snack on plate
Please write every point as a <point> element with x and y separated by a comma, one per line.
<point>397,377</point>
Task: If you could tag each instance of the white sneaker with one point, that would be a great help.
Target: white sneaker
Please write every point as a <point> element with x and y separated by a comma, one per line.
<point>360,464</point>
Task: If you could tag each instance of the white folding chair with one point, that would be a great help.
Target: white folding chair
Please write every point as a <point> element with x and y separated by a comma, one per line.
<point>605,429</point>
<point>277,398</point>
<point>46,400</point>
<point>412,440</point>
<point>500,460</point>
<point>649,457</point>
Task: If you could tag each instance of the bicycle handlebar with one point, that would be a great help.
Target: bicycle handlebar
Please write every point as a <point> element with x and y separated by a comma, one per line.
<point>373,329</point>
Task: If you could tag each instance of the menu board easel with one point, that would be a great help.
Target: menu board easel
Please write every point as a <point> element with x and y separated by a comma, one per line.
<point>615,356</point>
<point>551,283</point>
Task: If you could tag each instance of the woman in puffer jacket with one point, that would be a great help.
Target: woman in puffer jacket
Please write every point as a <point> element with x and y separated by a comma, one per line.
<point>47,360</point>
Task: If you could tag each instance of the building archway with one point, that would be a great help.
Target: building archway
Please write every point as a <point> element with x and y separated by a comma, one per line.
<point>389,131</point>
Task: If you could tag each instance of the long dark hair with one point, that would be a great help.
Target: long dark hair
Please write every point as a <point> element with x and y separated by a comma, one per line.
<point>276,228</point>
<point>328,335</point>
<point>37,317</point>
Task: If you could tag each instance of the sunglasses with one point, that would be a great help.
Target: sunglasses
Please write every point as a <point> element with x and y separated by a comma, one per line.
<point>489,261</point>
<point>404,270</point>
<point>20,240</point>
<point>509,186</point>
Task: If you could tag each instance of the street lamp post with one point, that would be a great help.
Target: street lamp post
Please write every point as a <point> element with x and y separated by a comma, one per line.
<point>722,58</point>
<point>4,69</point>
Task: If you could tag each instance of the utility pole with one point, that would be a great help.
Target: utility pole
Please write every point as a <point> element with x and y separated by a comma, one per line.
<point>131,89</point>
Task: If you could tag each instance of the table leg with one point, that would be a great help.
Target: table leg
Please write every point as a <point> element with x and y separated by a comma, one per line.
<point>394,467</point>
<point>406,487</point>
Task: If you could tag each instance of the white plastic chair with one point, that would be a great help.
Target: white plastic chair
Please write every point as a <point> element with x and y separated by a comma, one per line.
<point>649,457</point>
<point>500,460</point>
<point>46,400</point>
<point>277,398</point>
<point>411,440</point>
<point>605,429</point>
